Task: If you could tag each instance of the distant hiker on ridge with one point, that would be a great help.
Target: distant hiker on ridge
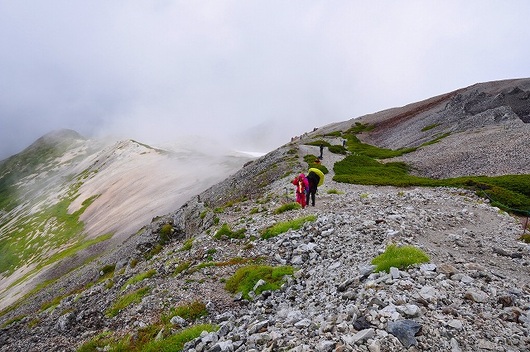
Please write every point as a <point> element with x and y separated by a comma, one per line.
<point>321,151</point>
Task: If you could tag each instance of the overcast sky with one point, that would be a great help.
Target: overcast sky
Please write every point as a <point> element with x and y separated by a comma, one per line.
<point>155,70</point>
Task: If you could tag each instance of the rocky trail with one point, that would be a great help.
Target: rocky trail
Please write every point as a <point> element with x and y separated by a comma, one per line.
<point>473,295</point>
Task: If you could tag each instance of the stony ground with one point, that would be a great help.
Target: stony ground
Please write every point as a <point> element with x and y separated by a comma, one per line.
<point>473,295</point>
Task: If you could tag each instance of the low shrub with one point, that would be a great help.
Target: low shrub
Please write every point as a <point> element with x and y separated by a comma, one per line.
<point>177,341</point>
<point>144,340</point>
<point>189,311</point>
<point>337,149</point>
<point>165,233</point>
<point>186,246</point>
<point>282,227</point>
<point>430,127</point>
<point>319,166</point>
<point>137,278</point>
<point>226,232</point>
<point>122,303</point>
<point>287,207</point>
<point>318,143</point>
<point>245,278</point>
<point>181,267</point>
<point>399,257</point>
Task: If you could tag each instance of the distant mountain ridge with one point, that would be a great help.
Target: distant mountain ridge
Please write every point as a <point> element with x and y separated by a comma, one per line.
<point>64,192</point>
<point>485,129</point>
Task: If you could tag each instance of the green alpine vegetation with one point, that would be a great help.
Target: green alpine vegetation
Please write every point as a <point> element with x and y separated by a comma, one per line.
<point>137,278</point>
<point>509,192</point>
<point>145,340</point>
<point>189,311</point>
<point>226,232</point>
<point>399,257</point>
<point>287,207</point>
<point>282,227</point>
<point>125,301</point>
<point>245,278</point>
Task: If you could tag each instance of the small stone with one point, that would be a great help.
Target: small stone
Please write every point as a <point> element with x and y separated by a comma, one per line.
<point>304,323</point>
<point>409,310</point>
<point>363,335</point>
<point>258,327</point>
<point>476,296</point>
<point>428,267</point>
<point>455,347</point>
<point>325,346</point>
<point>404,330</point>
<point>446,269</point>
<point>455,324</point>
<point>394,272</point>
<point>374,346</point>
<point>178,321</point>
<point>258,284</point>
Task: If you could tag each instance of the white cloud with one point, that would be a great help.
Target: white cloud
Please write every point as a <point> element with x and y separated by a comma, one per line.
<point>156,70</point>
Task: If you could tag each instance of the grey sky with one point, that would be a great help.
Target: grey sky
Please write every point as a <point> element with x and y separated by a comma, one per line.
<point>264,70</point>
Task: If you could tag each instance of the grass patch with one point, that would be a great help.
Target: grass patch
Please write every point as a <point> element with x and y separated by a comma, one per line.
<point>181,267</point>
<point>354,145</point>
<point>510,192</point>
<point>359,127</point>
<point>338,149</point>
<point>334,191</point>
<point>282,227</point>
<point>399,257</point>
<point>188,311</point>
<point>186,246</point>
<point>430,127</point>
<point>12,320</point>
<point>125,301</point>
<point>318,143</point>
<point>177,341</point>
<point>165,233</point>
<point>226,232</point>
<point>333,134</point>
<point>137,278</point>
<point>245,278</point>
<point>310,158</point>
<point>287,207</point>
<point>525,238</point>
<point>144,340</point>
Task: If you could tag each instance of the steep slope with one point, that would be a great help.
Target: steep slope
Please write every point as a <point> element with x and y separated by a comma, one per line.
<point>64,194</point>
<point>474,119</point>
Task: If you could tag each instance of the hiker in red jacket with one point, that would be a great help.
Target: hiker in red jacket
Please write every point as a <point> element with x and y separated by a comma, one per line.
<point>302,187</point>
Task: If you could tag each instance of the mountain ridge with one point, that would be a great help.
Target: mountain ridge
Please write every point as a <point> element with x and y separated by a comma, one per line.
<point>476,282</point>
<point>82,191</point>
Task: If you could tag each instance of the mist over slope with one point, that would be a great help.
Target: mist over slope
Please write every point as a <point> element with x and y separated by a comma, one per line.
<point>473,295</point>
<point>65,192</point>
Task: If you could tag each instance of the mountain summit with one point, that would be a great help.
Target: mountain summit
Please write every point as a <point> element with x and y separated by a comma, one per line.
<point>239,267</point>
